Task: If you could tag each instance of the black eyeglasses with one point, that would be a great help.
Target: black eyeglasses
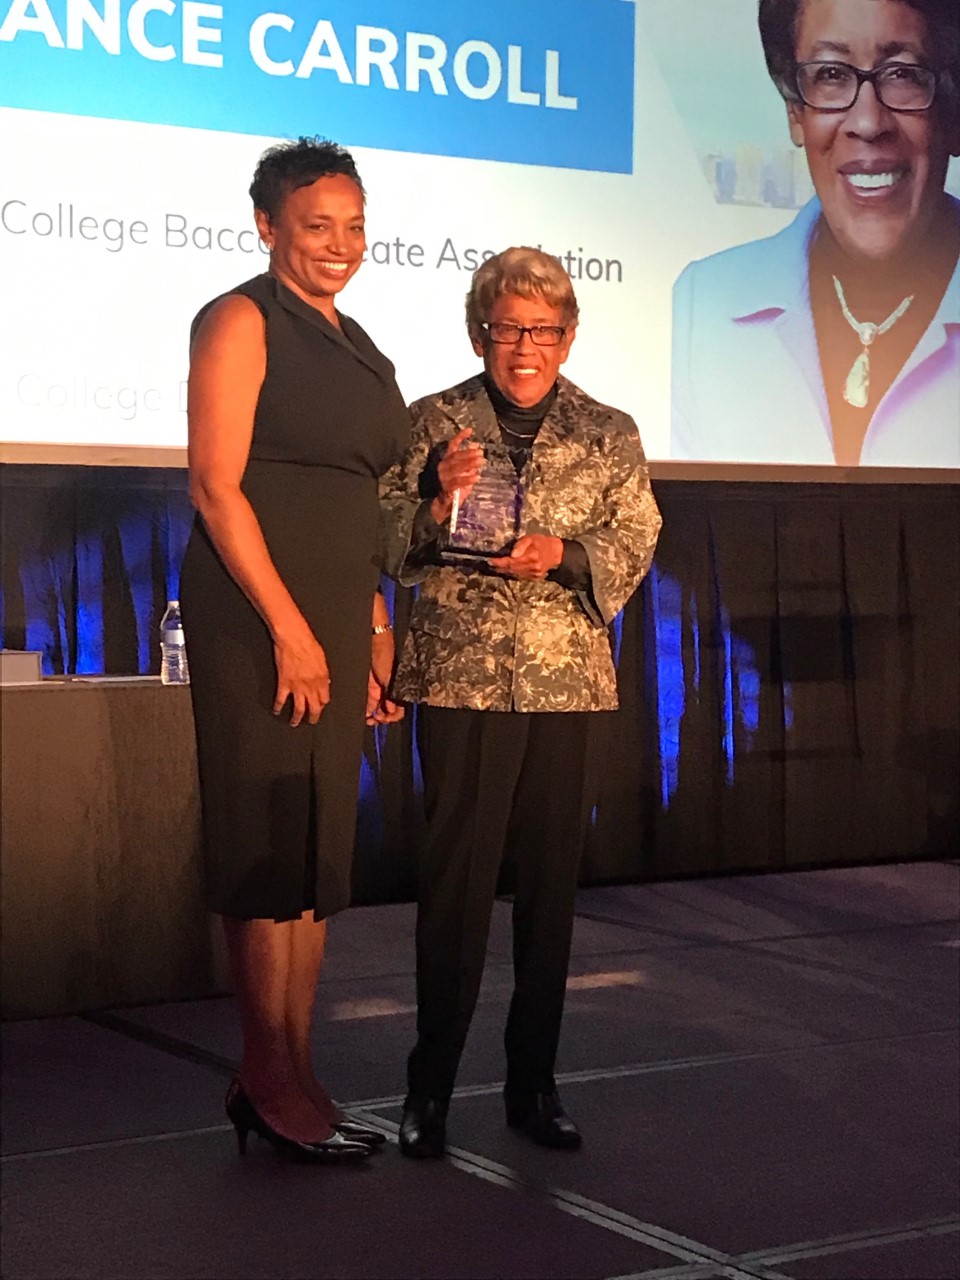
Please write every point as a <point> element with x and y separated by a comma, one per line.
<point>543,335</point>
<point>835,86</point>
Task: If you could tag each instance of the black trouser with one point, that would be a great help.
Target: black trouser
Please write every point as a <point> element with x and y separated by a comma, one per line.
<point>496,782</point>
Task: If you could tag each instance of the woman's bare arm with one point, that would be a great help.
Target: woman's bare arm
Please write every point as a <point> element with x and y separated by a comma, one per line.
<point>227,368</point>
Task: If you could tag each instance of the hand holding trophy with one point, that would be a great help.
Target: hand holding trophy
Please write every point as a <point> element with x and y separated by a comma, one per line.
<point>457,473</point>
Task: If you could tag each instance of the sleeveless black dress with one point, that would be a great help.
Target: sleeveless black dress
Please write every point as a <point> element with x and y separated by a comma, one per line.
<point>279,804</point>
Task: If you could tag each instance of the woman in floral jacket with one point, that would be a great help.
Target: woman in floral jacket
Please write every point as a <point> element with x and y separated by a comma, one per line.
<point>497,647</point>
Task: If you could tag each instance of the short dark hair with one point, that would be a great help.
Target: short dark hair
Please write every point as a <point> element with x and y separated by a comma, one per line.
<point>290,165</point>
<point>779,20</point>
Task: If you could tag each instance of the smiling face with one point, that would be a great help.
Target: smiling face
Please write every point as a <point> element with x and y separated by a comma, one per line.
<point>879,173</point>
<point>317,240</point>
<point>523,371</point>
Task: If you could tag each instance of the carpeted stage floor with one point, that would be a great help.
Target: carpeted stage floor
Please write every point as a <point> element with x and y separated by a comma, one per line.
<point>764,1069</point>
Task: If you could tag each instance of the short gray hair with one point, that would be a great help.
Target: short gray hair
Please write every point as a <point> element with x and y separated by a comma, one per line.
<point>525,272</point>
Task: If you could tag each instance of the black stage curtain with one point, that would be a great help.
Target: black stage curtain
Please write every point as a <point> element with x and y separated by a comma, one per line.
<point>789,672</point>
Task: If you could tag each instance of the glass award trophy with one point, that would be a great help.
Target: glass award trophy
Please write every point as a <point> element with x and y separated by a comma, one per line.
<point>486,522</point>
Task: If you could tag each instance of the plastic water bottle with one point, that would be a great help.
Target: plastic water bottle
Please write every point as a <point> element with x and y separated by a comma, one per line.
<point>173,649</point>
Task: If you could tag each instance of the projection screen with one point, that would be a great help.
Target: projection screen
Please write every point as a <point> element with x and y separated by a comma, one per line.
<point>642,143</point>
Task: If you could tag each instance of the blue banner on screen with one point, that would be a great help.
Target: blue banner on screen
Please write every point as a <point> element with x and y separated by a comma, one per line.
<point>544,84</point>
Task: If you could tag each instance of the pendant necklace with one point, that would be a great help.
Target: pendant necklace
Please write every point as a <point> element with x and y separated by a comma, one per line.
<point>856,390</point>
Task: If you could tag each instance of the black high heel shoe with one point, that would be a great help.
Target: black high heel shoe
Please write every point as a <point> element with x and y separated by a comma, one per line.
<point>354,1132</point>
<point>244,1116</point>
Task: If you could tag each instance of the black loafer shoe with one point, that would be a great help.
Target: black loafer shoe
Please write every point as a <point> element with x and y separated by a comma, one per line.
<point>423,1129</point>
<point>541,1117</point>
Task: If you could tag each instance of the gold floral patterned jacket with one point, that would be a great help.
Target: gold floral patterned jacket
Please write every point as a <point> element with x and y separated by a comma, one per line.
<point>493,643</point>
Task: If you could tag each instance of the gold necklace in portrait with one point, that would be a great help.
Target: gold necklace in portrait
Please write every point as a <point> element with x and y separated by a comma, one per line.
<point>856,390</point>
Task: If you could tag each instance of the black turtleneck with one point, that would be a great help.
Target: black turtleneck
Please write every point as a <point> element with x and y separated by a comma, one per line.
<point>518,425</point>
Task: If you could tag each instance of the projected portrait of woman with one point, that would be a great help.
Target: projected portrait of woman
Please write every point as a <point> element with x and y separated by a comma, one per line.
<point>838,339</point>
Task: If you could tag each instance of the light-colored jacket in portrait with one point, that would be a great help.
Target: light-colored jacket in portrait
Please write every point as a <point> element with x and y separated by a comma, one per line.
<point>747,385</point>
<point>493,643</point>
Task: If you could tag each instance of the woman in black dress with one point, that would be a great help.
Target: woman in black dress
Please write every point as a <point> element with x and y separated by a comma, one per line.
<point>293,416</point>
